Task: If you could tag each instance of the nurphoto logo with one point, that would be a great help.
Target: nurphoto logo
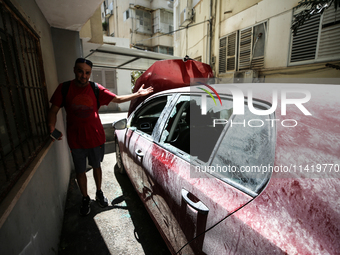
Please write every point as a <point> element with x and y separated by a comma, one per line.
<point>239,103</point>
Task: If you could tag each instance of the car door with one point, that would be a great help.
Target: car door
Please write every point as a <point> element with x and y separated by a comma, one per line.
<point>142,127</point>
<point>199,182</point>
<point>138,137</point>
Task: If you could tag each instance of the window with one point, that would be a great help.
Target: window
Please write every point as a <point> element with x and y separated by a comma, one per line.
<point>251,47</point>
<point>220,139</point>
<point>164,50</point>
<point>143,22</point>
<point>106,78</point>
<point>23,97</point>
<point>248,143</point>
<point>163,22</point>
<point>243,50</point>
<point>147,115</point>
<point>192,132</point>
<point>305,41</point>
<point>317,39</point>
<point>126,15</point>
<point>228,51</point>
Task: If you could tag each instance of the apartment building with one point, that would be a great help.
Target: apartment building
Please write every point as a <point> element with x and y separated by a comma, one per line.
<point>147,24</point>
<point>123,36</point>
<point>252,41</point>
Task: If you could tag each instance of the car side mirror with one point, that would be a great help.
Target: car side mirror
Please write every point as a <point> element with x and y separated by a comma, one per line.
<point>120,124</point>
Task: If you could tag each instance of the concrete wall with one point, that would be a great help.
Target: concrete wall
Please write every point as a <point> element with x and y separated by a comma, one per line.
<point>163,40</point>
<point>92,31</point>
<point>34,224</point>
<point>96,27</point>
<point>67,49</point>
<point>31,215</point>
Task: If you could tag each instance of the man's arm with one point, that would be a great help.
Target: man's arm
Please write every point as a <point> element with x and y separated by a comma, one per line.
<point>52,117</point>
<point>139,93</point>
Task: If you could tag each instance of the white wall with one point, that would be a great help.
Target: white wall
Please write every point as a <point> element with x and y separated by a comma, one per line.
<point>31,215</point>
<point>123,78</point>
<point>279,31</point>
<point>123,87</point>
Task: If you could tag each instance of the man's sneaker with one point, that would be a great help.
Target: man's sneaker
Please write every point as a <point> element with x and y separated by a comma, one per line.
<point>85,208</point>
<point>102,201</point>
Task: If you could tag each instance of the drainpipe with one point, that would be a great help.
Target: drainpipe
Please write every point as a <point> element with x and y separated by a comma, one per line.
<point>209,34</point>
<point>189,5</point>
<point>116,23</point>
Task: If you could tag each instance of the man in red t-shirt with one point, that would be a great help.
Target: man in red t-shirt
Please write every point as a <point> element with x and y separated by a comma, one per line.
<point>85,132</point>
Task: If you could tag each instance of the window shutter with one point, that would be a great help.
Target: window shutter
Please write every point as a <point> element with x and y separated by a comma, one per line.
<point>305,41</point>
<point>110,77</point>
<point>231,52</point>
<point>330,34</point>
<point>245,49</point>
<point>97,77</point>
<point>222,55</point>
<point>227,54</point>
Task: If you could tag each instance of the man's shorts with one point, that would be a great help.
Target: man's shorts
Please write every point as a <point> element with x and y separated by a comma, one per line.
<point>94,155</point>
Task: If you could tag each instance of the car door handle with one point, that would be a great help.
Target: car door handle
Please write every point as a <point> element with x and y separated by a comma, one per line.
<point>198,206</point>
<point>139,153</point>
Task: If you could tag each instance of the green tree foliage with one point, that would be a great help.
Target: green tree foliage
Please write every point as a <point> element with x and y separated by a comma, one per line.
<point>312,7</point>
<point>134,76</point>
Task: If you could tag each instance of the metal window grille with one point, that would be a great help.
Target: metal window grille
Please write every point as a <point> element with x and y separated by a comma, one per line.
<point>23,98</point>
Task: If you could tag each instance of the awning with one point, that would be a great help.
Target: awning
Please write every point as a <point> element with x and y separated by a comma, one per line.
<point>110,56</point>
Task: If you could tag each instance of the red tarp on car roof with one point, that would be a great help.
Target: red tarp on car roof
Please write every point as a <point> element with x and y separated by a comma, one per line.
<point>170,74</point>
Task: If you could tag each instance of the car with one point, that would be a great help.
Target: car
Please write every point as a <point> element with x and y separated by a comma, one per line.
<point>238,168</point>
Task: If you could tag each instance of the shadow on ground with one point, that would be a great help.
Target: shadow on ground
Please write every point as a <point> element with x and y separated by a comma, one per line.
<point>98,234</point>
<point>145,228</point>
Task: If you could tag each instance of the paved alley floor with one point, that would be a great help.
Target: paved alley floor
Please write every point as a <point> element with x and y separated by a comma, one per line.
<point>124,227</point>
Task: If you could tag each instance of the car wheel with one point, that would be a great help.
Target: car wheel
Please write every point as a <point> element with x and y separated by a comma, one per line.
<point>119,161</point>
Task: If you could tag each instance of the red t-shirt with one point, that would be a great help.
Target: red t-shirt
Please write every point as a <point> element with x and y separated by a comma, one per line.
<point>84,127</point>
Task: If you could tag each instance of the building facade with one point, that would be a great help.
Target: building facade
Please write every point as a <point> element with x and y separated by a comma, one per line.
<point>252,41</point>
<point>147,24</point>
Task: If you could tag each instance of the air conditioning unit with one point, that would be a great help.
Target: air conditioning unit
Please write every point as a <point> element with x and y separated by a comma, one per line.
<point>170,3</point>
<point>245,76</point>
<point>108,12</point>
<point>186,17</point>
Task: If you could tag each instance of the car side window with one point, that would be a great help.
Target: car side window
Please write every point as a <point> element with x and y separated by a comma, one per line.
<point>146,117</point>
<point>246,152</point>
<point>234,148</point>
<point>192,132</point>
